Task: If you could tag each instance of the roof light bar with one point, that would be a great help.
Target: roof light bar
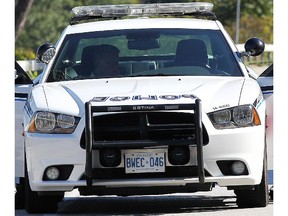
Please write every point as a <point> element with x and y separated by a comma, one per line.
<point>142,9</point>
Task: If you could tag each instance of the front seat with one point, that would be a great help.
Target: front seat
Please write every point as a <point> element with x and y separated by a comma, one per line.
<point>87,61</point>
<point>86,67</point>
<point>191,52</point>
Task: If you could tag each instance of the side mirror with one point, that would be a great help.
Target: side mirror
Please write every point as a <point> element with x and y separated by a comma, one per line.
<point>45,52</point>
<point>253,47</point>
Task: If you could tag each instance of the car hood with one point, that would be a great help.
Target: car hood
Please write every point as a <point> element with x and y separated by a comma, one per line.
<point>69,97</point>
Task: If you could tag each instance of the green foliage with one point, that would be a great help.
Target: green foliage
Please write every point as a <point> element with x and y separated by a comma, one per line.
<point>24,54</point>
<point>48,19</point>
<point>32,74</point>
<point>251,27</point>
<point>226,9</point>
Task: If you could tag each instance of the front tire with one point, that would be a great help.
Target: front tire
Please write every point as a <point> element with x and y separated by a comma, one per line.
<point>20,195</point>
<point>39,204</point>
<point>259,196</point>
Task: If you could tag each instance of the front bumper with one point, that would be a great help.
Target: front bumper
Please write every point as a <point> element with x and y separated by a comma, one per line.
<point>239,144</point>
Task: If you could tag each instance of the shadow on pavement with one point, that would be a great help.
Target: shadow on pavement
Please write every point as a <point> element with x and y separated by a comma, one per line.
<point>145,204</point>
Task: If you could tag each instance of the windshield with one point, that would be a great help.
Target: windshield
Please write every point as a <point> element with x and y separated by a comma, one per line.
<point>144,52</point>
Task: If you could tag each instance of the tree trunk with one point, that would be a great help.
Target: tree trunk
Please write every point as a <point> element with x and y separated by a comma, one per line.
<point>22,10</point>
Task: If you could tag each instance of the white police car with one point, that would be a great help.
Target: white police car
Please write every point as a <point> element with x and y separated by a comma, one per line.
<point>180,114</point>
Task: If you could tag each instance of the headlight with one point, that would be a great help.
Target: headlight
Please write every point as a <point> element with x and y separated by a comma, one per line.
<point>243,115</point>
<point>65,121</point>
<point>45,121</point>
<point>222,117</point>
<point>48,122</point>
<point>240,116</point>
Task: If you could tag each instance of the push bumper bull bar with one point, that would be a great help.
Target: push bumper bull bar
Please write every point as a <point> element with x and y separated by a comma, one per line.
<point>92,144</point>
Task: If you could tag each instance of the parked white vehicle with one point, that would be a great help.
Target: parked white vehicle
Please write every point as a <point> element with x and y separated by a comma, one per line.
<point>174,110</point>
<point>265,80</point>
<point>23,85</point>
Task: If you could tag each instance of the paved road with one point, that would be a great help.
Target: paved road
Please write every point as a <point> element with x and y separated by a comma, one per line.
<point>220,202</point>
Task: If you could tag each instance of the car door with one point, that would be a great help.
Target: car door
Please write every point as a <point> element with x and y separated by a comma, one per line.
<point>265,80</point>
<point>23,84</point>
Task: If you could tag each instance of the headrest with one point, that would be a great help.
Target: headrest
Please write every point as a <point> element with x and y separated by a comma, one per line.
<point>191,52</point>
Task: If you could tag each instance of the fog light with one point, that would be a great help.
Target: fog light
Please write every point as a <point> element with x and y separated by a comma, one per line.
<point>178,155</point>
<point>110,157</point>
<point>52,173</point>
<point>238,168</point>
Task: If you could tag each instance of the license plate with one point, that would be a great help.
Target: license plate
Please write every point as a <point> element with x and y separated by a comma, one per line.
<point>148,162</point>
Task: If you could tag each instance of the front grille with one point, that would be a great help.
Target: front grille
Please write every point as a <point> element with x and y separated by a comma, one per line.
<point>140,126</point>
<point>145,126</point>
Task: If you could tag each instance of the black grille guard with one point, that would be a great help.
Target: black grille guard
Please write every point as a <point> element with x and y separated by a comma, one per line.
<point>90,143</point>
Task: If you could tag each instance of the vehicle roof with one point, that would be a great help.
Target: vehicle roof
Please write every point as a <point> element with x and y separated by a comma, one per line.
<point>142,23</point>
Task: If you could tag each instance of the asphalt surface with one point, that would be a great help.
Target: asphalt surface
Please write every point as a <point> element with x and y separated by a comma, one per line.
<point>219,201</point>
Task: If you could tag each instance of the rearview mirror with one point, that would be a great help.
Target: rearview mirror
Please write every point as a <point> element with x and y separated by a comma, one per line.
<point>143,44</point>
